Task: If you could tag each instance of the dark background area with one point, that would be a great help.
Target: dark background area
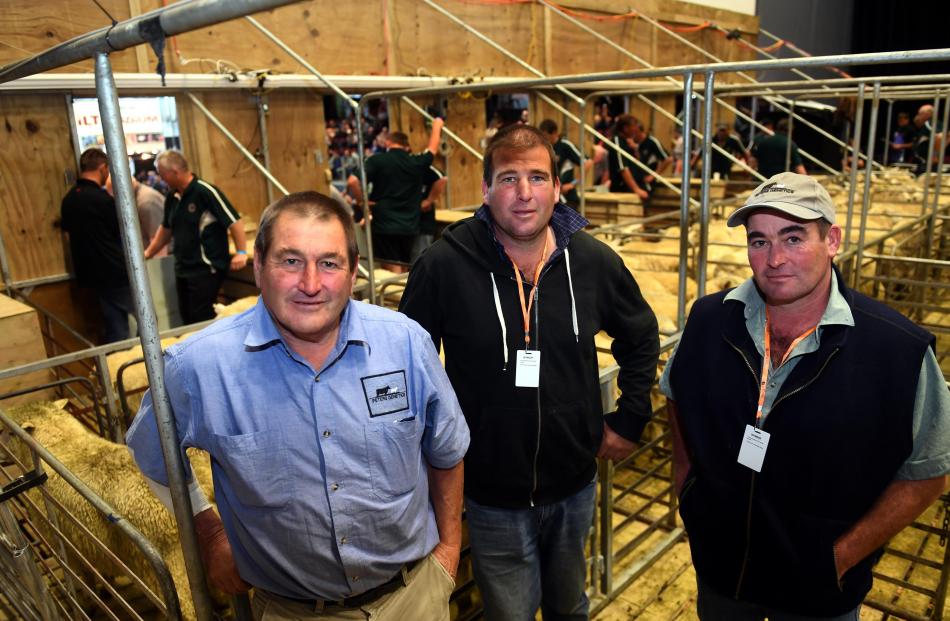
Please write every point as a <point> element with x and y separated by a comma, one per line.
<point>832,27</point>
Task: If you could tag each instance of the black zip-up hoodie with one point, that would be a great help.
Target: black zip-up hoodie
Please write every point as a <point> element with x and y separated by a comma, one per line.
<point>533,446</point>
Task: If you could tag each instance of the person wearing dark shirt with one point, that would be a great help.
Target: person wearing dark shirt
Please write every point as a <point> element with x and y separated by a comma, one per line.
<point>728,142</point>
<point>922,137</point>
<point>651,153</point>
<point>90,221</point>
<point>199,217</point>
<point>568,161</point>
<point>396,178</point>
<point>625,176</point>
<point>902,140</point>
<point>769,153</point>
<point>433,186</point>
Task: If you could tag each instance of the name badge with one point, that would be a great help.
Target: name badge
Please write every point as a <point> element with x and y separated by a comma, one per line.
<point>754,444</point>
<point>528,369</point>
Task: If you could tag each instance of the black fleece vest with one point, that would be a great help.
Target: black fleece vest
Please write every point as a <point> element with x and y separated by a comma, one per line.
<point>840,429</point>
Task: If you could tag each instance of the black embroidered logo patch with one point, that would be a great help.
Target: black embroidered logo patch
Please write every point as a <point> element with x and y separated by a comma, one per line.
<point>774,187</point>
<point>386,393</point>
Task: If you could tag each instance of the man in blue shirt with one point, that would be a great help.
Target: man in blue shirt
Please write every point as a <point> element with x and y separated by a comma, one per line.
<point>327,421</point>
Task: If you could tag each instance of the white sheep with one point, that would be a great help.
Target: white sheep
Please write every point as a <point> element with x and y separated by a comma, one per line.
<point>107,468</point>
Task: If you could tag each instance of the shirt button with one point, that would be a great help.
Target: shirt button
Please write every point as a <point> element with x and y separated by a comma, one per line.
<point>343,540</point>
<point>326,433</point>
<point>335,487</point>
<point>772,385</point>
<point>316,379</point>
<point>356,578</point>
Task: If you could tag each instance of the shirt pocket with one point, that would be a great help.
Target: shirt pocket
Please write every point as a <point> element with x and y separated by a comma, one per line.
<point>394,453</point>
<point>255,466</point>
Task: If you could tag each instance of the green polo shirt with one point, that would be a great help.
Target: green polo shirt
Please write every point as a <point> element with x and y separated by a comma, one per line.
<point>199,219</point>
<point>397,178</point>
<point>931,453</point>
<point>770,152</point>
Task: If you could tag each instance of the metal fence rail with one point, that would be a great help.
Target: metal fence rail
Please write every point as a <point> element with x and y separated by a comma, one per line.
<point>45,542</point>
<point>643,480</point>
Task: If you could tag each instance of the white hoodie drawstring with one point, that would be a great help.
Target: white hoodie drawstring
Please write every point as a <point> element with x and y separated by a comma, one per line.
<point>570,286</point>
<point>501,320</point>
<point>501,317</point>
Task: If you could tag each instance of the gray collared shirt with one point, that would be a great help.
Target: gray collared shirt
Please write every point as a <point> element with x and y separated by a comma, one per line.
<point>931,453</point>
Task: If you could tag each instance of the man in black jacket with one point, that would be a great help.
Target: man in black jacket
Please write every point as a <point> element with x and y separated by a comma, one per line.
<point>90,221</point>
<point>811,423</point>
<point>515,296</point>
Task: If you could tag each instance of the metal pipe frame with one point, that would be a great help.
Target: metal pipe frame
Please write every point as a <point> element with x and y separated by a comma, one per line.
<point>752,121</point>
<point>634,57</point>
<point>445,130</point>
<point>796,49</point>
<point>696,134</point>
<point>866,198</point>
<point>151,555</point>
<point>684,201</point>
<point>715,58</point>
<point>172,20</point>
<point>5,266</point>
<point>263,108</point>
<point>148,330</point>
<point>484,39</point>
<point>367,272</point>
<point>931,226</point>
<point>704,202</point>
<point>581,101</point>
<point>124,193</point>
<point>364,190</point>
<point>237,143</point>
<point>858,127</point>
<point>930,153</point>
<point>887,125</point>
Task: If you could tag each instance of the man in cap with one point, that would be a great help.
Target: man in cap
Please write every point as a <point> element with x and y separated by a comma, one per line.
<point>811,423</point>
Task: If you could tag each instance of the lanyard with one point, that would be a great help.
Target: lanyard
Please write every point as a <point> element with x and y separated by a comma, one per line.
<point>526,308</point>
<point>767,361</point>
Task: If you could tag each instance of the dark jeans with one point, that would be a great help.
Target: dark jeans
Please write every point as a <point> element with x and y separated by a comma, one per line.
<point>197,295</point>
<point>526,558</point>
<point>116,305</point>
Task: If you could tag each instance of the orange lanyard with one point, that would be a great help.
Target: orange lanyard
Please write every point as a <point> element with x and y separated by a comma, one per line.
<point>526,308</point>
<point>767,362</point>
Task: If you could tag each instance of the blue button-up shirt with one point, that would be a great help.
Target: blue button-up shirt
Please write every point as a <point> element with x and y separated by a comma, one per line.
<point>320,474</point>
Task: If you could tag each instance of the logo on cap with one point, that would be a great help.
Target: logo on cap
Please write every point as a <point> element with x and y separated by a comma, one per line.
<point>775,186</point>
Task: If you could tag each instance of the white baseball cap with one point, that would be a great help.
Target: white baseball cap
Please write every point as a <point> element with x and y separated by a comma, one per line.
<point>799,196</point>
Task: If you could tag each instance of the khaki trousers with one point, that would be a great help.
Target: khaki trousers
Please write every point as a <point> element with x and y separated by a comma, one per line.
<point>424,598</point>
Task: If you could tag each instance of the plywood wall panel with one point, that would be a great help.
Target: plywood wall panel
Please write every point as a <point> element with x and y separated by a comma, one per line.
<point>297,142</point>
<point>28,27</point>
<point>350,37</point>
<point>467,119</point>
<point>428,43</point>
<point>335,37</point>
<point>575,51</point>
<point>34,163</point>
